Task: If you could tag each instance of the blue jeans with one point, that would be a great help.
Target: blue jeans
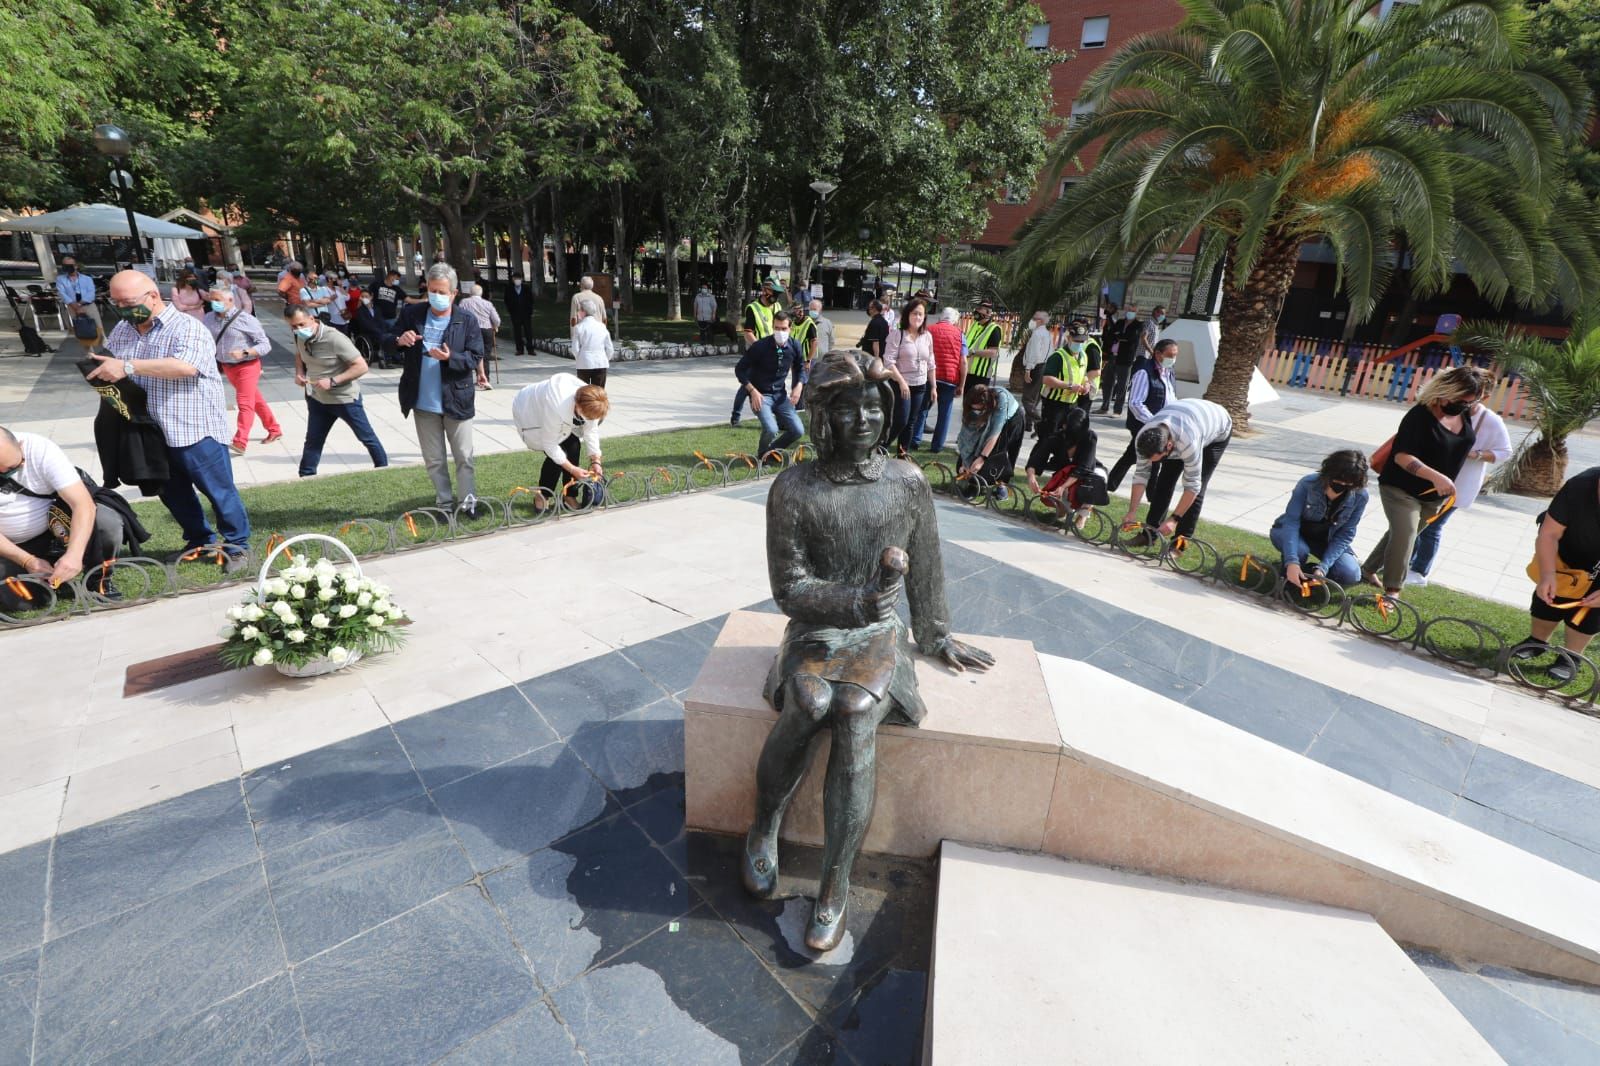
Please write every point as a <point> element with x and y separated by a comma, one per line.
<point>1345,570</point>
<point>909,416</point>
<point>1427,545</point>
<point>947,396</point>
<point>320,418</point>
<point>205,466</point>
<point>739,400</point>
<point>776,408</point>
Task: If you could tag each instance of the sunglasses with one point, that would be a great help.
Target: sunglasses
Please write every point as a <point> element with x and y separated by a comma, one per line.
<point>1340,486</point>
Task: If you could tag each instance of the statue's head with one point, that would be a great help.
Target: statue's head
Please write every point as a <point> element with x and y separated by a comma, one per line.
<point>850,397</point>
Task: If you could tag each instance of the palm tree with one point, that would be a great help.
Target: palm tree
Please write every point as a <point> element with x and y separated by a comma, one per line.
<point>1563,381</point>
<point>1263,124</point>
<point>1012,285</point>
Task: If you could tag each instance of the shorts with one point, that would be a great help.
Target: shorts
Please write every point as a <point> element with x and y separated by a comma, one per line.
<point>1546,613</point>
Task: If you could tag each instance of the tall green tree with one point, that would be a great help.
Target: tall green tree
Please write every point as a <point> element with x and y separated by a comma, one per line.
<point>1569,30</point>
<point>1267,123</point>
<point>448,108</point>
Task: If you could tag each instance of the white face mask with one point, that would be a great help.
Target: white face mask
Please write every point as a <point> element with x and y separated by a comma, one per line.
<point>1129,315</point>
<point>780,337</point>
<point>1169,363</point>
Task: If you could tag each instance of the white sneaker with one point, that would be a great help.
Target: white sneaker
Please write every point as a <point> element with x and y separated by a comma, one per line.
<point>1414,578</point>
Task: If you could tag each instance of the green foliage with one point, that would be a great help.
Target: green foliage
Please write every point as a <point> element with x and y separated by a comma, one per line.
<point>311,611</point>
<point>1013,285</point>
<point>1271,123</point>
<point>1569,31</point>
<point>1563,379</point>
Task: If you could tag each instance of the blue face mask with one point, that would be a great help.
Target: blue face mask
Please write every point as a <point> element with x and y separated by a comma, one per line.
<point>216,305</point>
<point>439,301</point>
<point>305,333</point>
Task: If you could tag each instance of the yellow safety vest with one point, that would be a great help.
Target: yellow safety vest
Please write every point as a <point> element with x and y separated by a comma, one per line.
<point>800,333</point>
<point>982,335</point>
<point>763,317</point>
<point>1072,369</point>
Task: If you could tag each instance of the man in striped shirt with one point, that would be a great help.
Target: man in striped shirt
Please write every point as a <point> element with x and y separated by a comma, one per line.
<point>173,358</point>
<point>1187,438</point>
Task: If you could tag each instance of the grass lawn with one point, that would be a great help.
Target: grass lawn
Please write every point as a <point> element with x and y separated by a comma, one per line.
<point>666,460</point>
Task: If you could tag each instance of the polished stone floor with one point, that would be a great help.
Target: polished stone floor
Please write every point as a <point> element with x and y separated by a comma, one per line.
<point>507,879</point>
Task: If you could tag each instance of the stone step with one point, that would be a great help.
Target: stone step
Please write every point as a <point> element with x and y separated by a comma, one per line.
<point>1043,960</point>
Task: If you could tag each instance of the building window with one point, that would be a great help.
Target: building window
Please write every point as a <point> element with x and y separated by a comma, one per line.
<point>1066,183</point>
<point>1095,31</point>
<point>1015,192</point>
<point>1081,112</point>
<point>1039,37</point>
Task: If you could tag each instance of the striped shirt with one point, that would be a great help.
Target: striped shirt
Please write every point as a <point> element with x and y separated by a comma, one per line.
<point>1193,424</point>
<point>188,410</point>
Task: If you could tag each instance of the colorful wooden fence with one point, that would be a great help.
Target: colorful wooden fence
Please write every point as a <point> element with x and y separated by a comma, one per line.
<point>1355,370</point>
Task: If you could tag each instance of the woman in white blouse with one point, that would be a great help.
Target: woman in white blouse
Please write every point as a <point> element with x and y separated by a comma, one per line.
<point>554,416</point>
<point>909,352</point>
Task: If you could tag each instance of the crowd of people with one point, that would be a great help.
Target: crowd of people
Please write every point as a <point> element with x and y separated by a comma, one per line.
<point>167,356</point>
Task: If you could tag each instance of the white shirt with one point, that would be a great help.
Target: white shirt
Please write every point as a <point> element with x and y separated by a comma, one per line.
<point>1038,349</point>
<point>1492,437</point>
<point>45,468</point>
<point>545,413</point>
<point>591,344</point>
<point>1194,423</point>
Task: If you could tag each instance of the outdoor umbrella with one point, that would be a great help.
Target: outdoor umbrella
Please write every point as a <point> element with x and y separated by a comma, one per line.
<point>95,220</point>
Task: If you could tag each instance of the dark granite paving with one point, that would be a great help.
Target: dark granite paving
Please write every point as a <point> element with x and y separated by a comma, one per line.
<point>507,879</point>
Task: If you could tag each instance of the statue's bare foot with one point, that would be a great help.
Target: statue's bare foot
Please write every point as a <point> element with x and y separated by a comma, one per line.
<point>826,927</point>
<point>760,867</point>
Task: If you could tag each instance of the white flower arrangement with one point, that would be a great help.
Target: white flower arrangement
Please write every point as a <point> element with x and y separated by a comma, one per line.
<point>344,615</point>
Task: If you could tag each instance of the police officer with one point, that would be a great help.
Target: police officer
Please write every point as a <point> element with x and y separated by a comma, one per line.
<point>983,346</point>
<point>1094,356</point>
<point>1065,382</point>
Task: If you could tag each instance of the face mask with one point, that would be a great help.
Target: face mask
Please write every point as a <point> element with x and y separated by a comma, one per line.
<point>366,301</point>
<point>216,305</point>
<point>780,337</point>
<point>1129,315</point>
<point>73,269</point>
<point>305,333</point>
<point>813,315</point>
<point>1161,320</point>
<point>1169,363</point>
<point>439,301</point>
<point>138,314</point>
<point>1456,407</point>
<point>1074,347</point>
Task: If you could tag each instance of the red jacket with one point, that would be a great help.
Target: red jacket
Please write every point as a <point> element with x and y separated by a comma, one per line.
<point>947,351</point>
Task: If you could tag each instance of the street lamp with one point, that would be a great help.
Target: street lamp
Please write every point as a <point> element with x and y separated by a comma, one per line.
<point>824,189</point>
<point>113,143</point>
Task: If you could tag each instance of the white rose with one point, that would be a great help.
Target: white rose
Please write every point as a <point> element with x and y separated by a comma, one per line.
<point>364,600</point>
<point>396,613</point>
<point>226,632</point>
<point>375,620</point>
<point>324,566</point>
<point>262,657</point>
<point>348,610</point>
<point>282,610</point>
<point>319,621</point>
<point>277,586</point>
<point>298,592</point>
<point>325,594</point>
<point>338,654</point>
<point>380,591</point>
<point>296,636</point>
<point>381,607</point>
<point>235,613</point>
<point>254,613</point>
<point>249,632</point>
<point>290,619</point>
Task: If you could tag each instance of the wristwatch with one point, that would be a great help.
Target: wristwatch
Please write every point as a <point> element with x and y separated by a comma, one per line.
<point>127,367</point>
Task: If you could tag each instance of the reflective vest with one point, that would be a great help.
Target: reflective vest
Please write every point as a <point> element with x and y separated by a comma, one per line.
<point>1070,368</point>
<point>800,333</point>
<point>982,335</point>
<point>762,314</point>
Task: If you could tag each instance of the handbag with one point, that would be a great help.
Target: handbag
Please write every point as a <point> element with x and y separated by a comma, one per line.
<point>1571,584</point>
<point>1380,457</point>
<point>84,329</point>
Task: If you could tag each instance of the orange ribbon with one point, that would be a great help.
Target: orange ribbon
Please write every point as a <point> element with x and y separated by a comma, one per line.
<point>19,589</point>
<point>1583,611</point>
<point>411,524</point>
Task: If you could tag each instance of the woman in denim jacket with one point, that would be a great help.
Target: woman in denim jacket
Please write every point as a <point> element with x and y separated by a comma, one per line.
<point>1323,513</point>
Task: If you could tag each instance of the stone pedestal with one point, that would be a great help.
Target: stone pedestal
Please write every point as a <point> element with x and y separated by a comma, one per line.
<point>981,767</point>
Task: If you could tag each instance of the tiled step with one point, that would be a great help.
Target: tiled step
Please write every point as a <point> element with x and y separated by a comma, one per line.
<point>1042,960</point>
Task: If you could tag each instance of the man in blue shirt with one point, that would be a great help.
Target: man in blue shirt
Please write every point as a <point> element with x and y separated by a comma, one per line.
<point>761,372</point>
<point>76,293</point>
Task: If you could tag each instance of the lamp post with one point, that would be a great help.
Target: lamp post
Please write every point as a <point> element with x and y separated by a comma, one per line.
<point>824,189</point>
<point>113,143</point>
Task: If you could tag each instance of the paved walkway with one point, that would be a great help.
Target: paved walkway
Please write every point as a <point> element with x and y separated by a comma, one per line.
<point>474,845</point>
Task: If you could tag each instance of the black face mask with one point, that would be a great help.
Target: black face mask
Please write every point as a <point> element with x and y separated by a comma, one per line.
<point>1455,407</point>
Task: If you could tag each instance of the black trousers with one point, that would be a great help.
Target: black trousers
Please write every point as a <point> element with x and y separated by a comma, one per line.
<point>593,377</point>
<point>104,543</point>
<point>1114,385</point>
<point>522,330</point>
<point>1129,456</point>
<point>1051,412</point>
<point>551,475</point>
<point>1164,481</point>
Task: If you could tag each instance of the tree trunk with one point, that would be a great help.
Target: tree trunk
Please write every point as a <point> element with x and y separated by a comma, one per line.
<point>800,249</point>
<point>669,264</point>
<point>491,250</point>
<point>536,250</point>
<point>624,252</point>
<point>514,234</point>
<point>1249,318</point>
<point>1542,470</point>
<point>426,240</point>
<point>734,236</point>
<point>457,240</point>
<point>559,229</point>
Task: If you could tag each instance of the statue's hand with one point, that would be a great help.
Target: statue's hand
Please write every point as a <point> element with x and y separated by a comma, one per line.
<point>960,655</point>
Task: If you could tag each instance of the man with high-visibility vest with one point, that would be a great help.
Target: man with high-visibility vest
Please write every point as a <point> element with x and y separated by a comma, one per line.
<point>1078,332</point>
<point>757,324</point>
<point>983,346</point>
<point>1066,382</point>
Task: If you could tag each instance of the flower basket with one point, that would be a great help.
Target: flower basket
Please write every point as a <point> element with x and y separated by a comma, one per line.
<point>311,618</point>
